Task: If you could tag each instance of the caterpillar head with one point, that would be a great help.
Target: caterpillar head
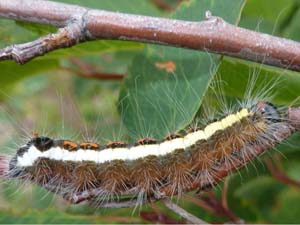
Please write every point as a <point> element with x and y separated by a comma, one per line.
<point>268,111</point>
<point>41,143</point>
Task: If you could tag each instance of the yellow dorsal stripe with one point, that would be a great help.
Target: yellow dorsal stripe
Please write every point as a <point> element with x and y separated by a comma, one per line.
<point>212,128</point>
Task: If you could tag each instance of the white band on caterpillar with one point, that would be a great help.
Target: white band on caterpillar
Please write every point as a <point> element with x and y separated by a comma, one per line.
<point>132,153</point>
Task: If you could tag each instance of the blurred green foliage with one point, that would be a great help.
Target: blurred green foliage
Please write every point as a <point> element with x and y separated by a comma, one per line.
<point>47,96</point>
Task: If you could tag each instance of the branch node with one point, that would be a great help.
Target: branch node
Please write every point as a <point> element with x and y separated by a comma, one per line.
<point>214,19</point>
<point>208,15</point>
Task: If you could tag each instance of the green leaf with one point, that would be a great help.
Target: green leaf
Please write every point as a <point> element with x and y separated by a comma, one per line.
<point>11,72</point>
<point>292,31</point>
<point>259,195</point>
<point>266,16</point>
<point>55,216</point>
<point>20,32</point>
<point>93,48</point>
<point>154,102</point>
<point>240,194</point>
<point>290,146</point>
<point>260,191</point>
<point>13,33</point>
<point>287,208</point>
<point>237,74</point>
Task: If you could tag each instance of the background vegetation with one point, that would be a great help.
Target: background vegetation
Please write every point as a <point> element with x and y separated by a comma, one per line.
<point>50,95</point>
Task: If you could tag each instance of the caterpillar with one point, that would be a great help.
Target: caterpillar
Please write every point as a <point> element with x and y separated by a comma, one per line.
<point>192,159</point>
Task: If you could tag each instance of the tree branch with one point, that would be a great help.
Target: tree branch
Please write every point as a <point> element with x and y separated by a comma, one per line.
<point>4,166</point>
<point>81,24</point>
<point>164,5</point>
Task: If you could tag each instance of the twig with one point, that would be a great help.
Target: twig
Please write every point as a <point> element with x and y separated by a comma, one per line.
<point>213,205</point>
<point>120,204</point>
<point>91,198</point>
<point>164,5</point>
<point>95,74</point>
<point>87,71</point>
<point>180,211</point>
<point>224,193</point>
<point>158,216</point>
<point>219,208</point>
<point>199,202</point>
<point>65,37</point>
<point>279,174</point>
<point>82,24</point>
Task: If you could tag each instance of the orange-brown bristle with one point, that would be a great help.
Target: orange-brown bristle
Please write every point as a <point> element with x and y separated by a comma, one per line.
<point>146,175</point>
<point>115,144</point>
<point>35,134</point>
<point>172,136</point>
<point>84,176</point>
<point>63,171</point>
<point>89,145</point>
<point>192,129</point>
<point>70,145</point>
<point>42,173</point>
<point>178,172</point>
<point>145,141</point>
<point>114,177</point>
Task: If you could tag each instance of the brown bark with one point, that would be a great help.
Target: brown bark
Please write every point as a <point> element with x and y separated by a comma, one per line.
<point>81,24</point>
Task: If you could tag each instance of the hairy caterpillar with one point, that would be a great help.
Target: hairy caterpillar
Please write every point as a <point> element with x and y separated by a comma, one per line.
<point>195,158</point>
<point>150,169</point>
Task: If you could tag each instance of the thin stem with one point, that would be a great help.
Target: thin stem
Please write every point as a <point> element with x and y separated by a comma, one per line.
<point>224,193</point>
<point>95,75</point>
<point>180,211</point>
<point>199,202</point>
<point>87,71</point>
<point>277,173</point>
<point>164,5</point>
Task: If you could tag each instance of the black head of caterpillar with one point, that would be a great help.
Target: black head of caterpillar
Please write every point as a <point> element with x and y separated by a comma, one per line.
<point>41,143</point>
<point>179,163</point>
